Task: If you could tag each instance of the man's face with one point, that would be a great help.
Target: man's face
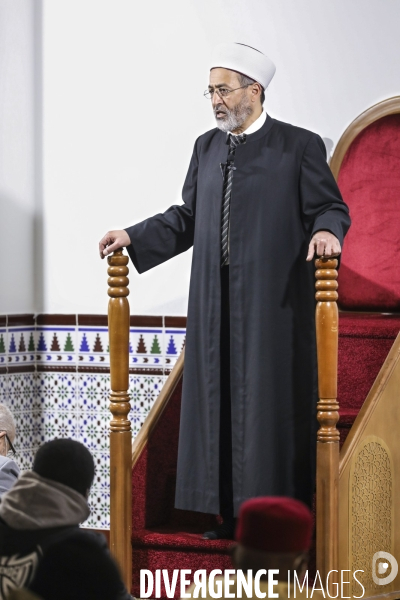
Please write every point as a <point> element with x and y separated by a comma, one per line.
<point>230,111</point>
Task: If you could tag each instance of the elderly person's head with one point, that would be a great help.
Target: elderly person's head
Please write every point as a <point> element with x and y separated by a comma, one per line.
<point>7,430</point>
<point>239,76</point>
<point>273,533</point>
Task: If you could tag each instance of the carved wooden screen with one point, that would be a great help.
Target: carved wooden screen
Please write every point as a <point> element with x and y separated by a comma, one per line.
<point>369,483</point>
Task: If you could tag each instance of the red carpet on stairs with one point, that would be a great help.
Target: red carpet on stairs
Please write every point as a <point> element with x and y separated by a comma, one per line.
<point>162,536</point>
<point>166,538</point>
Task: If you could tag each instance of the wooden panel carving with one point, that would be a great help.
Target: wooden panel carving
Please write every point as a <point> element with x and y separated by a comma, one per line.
<point>369,512</point>
<point>371,506</point>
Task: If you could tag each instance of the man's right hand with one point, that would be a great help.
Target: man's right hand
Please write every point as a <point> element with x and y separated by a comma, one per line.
<point>112,241</point>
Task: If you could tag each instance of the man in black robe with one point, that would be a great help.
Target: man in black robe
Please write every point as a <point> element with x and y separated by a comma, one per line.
<point>256,207</point>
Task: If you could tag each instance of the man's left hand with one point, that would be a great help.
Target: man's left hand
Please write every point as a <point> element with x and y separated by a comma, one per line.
<point>325,244</point>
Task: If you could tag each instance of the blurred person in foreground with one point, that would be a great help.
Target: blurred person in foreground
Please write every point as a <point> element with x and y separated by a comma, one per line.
<point>45,507</point>
<point>272,533</point>
<point>9,470</point>
<point>75,569</point>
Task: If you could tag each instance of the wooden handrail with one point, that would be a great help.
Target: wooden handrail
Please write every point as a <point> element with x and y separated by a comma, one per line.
<point>120,426</point>
<point>157,409</point>
<point>327,479</point>
<point>357,430</point>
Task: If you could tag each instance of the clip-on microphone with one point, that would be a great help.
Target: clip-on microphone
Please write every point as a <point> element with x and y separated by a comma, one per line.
<point>227,165</point>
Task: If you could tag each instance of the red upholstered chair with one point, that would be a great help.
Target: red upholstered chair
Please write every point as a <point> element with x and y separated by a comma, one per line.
<point>366,164</point>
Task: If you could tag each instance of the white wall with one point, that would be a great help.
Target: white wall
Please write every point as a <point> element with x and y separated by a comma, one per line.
<point>20,287</point>
<point>122,106</point>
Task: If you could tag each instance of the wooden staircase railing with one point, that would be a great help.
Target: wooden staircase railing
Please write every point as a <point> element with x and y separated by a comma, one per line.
<point>120,426</point>
<point>121,455</point>
<point>333,466</point>
<point>157,409</point>
<point>327,478</point>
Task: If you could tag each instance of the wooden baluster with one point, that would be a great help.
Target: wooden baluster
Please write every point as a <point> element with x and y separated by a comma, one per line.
<point>120,427</point>
<point>327,481</point>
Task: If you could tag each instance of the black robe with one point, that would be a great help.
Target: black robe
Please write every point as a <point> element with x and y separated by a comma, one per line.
<point>283,192</point>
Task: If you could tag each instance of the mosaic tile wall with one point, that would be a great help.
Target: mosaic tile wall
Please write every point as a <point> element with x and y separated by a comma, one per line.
<point>54,376</point>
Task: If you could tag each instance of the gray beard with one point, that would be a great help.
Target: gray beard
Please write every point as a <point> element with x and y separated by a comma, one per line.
<point>235,117</point>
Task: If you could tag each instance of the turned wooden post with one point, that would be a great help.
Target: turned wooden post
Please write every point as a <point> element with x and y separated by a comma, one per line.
<point>327,481</point>
<point>120,427</point>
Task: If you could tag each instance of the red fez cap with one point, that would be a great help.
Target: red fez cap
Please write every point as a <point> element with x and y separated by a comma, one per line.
<point>274,524</point>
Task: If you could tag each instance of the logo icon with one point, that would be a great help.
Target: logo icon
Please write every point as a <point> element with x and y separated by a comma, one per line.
<point>380,566</point>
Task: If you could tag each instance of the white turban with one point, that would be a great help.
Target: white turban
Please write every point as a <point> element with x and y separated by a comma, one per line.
<point>244,60</point>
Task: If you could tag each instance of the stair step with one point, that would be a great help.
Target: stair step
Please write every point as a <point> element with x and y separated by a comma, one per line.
<point>171,538</point>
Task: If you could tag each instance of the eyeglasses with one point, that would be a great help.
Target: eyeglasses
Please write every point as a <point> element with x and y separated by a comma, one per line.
<point>12,449</point>
<point>222,92</point>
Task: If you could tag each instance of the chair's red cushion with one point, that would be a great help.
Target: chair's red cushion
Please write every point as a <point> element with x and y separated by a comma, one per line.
<point>369,179</point>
